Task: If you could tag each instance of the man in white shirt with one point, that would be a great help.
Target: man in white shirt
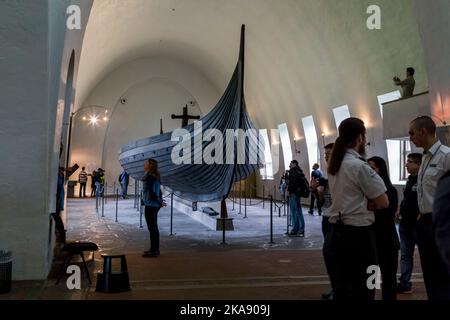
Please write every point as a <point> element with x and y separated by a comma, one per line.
<point>82,179</point>
<point>441,219</point>
<point>435,163</point>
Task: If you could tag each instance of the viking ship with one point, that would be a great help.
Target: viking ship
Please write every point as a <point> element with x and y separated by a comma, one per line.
<point>203,182</point>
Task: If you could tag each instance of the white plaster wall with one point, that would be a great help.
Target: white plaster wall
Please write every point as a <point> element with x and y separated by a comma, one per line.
<point>302,57</point>
<point>32,42</point>
<point>154,88</point>
<point>434,26</point>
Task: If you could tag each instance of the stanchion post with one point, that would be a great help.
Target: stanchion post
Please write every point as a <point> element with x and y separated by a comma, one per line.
<point>263,194</point>
<point>171,214</point>
<point>240,196</point>
<point>105,192</point>
<point>223,231</point>
<point>234,194</point>
<point>117,204</point>
<point>139,198</point>
<point>135,193</point>
<point>103,203</point>
<point>271,221</point>
<point>288,217</point>
<point>245,199</point>
<point>223,215</point>
<point>140,216</point>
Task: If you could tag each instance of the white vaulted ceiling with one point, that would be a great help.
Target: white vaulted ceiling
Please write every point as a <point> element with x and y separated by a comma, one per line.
<point>303,57</point>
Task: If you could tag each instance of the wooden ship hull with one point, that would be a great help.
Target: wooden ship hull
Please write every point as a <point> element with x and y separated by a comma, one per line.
<point>202,182</point>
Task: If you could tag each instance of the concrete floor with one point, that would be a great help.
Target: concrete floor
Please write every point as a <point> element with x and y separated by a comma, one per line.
<point>194,263</point>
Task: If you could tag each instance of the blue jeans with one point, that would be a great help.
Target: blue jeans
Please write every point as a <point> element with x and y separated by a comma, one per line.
<point>407,245</point>
<point>297,220</point>
<point>98,189</point>
<point>124,189</point>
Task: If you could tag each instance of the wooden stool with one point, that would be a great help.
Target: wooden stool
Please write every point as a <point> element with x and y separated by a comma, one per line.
<point>109,281</point>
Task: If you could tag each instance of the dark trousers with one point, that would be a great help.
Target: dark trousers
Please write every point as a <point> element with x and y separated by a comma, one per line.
<point>151,217</point>
<point>387,252</point>
<point>407,246</point>
<point>311,205</point>
<point>327,250</point>
<point>435,276</point>
<point>355,250</point>
<point>93,190</point>
<point>82,189</point>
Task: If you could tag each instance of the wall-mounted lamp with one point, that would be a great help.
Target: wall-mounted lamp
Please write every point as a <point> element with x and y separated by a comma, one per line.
<point>297,149</point>
<point>93,120</point>
<point>323,138</point>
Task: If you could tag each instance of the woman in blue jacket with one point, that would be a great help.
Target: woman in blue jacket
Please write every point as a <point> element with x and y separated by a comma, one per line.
<point>152,199</point>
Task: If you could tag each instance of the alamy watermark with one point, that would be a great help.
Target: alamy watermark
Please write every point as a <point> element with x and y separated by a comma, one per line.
<point>213,146</point>
<point>73,21</point>
<point>74,17</point>
<point>374,280</point>
<point>374,20</point>
<point>74,279</point>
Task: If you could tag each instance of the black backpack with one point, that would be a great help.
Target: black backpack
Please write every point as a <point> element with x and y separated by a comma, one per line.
<point>300,183</point>
<point>303,186</point>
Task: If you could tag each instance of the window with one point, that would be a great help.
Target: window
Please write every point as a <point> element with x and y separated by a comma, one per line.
<point>311,140</point>
<point>388,97</point>
<point>267,171</point>
<point>340,114</point>
<point>285,144</point>
<point>397,149</point>
<point>405,149</point>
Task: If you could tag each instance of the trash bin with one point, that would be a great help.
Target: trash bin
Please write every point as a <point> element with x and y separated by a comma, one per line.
<point>5,271</point>
<point>71,188</point>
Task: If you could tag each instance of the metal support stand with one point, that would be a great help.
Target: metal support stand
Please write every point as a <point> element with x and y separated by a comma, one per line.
<point>263,195</point>
<point>288,218</point>
<point>234,194</point>
<point>140,216</point>
<point>117,204</point>
<point>271,221</point>
<point>223,215</point>
<point>135,194</point>
<point>139,198</point>
<point>245,199</point>
<point>103,204</point>
<point>240,197</point>
<point>171,215</point>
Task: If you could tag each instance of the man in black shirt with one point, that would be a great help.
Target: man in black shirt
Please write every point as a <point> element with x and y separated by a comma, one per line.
<point>409,211</point>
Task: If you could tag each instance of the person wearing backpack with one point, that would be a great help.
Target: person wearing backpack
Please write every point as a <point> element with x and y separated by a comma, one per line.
<point>297,187</point>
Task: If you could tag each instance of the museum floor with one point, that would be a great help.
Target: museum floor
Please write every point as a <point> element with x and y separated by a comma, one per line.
<point>194,263</point>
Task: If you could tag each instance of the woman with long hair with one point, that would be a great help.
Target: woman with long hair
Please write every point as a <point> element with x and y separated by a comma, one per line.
<point>386,234</point>
<point>353,185</point>
<point>152,199</point>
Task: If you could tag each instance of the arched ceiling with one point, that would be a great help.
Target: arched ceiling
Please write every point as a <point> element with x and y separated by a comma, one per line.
<point>302,56</point>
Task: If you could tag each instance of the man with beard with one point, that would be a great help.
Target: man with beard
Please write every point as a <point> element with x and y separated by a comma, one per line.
<point>355,188</point>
